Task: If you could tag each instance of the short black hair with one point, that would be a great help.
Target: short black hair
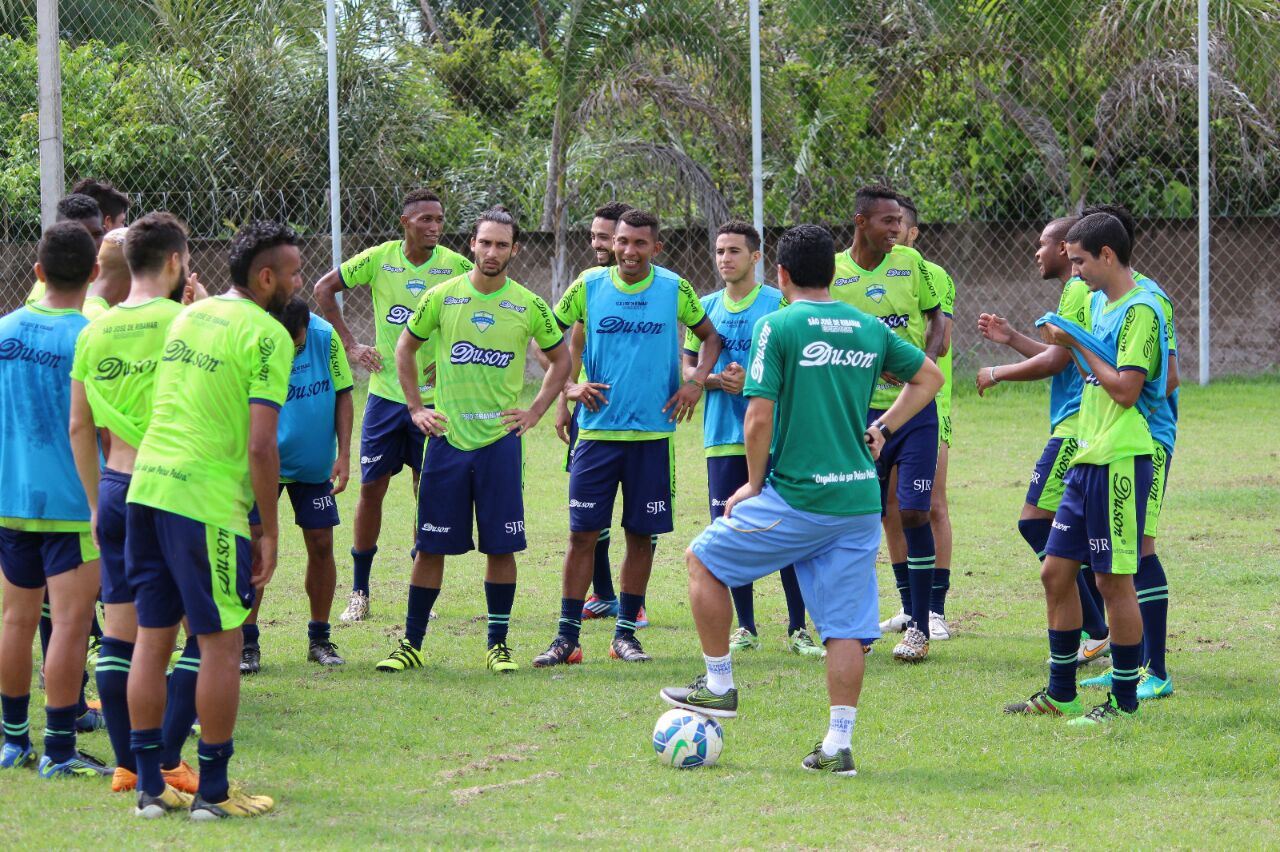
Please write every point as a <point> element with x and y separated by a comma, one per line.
<point>1101,229</point>
<point>1125,217</point>
<point>642,219</point>
<point>743,229</point>
<point>500,216</point>
<point>294,316</point>
<point>67,254</point>
<point>808,253</point>
<point>866,197</point>
<point>77,207</point>
<point>419,195</point>
<point>254,240</point>
<point>1059,227</point>
<point>110,200</point>
<point>910,207</point>
<point>152,239</point>
<point>612,211</point>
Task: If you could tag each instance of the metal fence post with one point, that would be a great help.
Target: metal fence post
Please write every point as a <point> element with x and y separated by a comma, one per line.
<point>49,71</point>
<point>757,135</point>
<point>1202,107</point>
<point>335,183</point>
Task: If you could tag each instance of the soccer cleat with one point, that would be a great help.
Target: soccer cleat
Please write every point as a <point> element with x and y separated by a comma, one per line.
<point>840,763</point>
<point>181,777</point>
<point>1092,650</point>
<point>938,629</point>
<point>1151,687</point>
<point>250,660</point>
<point>598,607</point>
<point>122,780</point>
<point>325,653</point>
<point>1102,681</point>
<point>1104,714</point>
<point>14,756</point>
<point>154,807</point>
<point>743,640</point>
<point>627,649</point>
<point>561,652</point>
<point>897,624</point>
<point>800,642</point>
<point>357,607</point>
<point>402,658</point>
<point>1041,704</point>
<point>499,661</point>
<point>913,648</point>
<point>80,766</point>
<point>642,619</point>
<point>698,699</point>
<point>92,720</point>
<point>238,804</point>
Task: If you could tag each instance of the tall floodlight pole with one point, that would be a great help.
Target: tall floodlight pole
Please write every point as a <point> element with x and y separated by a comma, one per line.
<point>52,180</point>
<point>757,133</point>
<point>1202,50</point>
<point>335,186</point>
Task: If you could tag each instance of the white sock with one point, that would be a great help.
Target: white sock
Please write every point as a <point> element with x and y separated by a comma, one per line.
<point>719,674</point>
<point>840,729</point>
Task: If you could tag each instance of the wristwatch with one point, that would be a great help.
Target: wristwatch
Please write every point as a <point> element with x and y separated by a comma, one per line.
<point>884,430</point>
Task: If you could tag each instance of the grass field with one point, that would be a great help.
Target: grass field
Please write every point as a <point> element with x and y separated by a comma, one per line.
<point>451,756</point>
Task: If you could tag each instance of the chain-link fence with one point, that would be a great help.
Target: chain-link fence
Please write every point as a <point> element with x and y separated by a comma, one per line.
<point>995,116</point>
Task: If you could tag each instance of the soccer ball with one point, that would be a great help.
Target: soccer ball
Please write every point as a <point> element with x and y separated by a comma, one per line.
<point>686,740</point>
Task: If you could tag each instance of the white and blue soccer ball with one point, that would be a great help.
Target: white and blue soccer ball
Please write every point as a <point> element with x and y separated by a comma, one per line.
<point>687,740</point>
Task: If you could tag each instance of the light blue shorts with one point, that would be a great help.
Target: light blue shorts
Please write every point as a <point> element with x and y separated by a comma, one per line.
<point>834,557</point>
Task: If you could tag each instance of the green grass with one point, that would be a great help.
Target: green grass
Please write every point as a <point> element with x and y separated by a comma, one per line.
<point>451,756</point>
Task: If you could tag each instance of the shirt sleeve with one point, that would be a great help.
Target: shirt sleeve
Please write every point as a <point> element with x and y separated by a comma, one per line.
<point>689,310</point>
<point>79,362</point>
<point>928,293</point>
<point>692,343</point>
<point>1168,325</point>
<point>901,359</point>
<point>946,286</point>
<point>359,271</point>
<point>426,317</point>
<point>272,360</point>
<point>339,367</point>
<point>1138,346</point>
<point>1074,304</point>
<point>572,306</point>
<point>764,378</point>
<point>542,325</point>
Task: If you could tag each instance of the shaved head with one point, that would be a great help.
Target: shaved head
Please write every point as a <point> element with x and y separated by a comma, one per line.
<point>1057,229</point>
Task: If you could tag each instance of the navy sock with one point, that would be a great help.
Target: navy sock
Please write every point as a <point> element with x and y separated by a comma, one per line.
<point>601,578</point>
<point>361,567</point>
<point>213,769</point>
<point>570,619</point>
<point>744,603</point>
<point>629,607</point>
<point>1094,622</point>
<point>317,631</point>
<point>1153,601</point>
<point>920,573</point>
<point>114,660</point>
<point>941,585</point>
<point>1125,660</point>
<point>653,543</point>
<point>903,581</point>
<point>1036,533</point>
<point>421,599</point>
<point>795,600</point>
<point>180,704</point>
<point>60,733</point>
<point>17,724</point>
<point>147,746</point>
<point>1063,647</point>
<point>251,634</point>
<point>499,597</point>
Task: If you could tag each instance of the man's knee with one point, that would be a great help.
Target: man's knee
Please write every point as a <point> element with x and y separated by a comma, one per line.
<point>938,512</point>
<point>319,543</point>
<point>912,518</point>
<point>579,539</point>
<point>374,491</point>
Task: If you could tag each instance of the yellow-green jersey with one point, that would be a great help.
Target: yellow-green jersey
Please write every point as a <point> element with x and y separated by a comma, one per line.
<point>898,292</point>
<point>945,287</point>
<point>395,286</point>
<point>480,341</point>
<point>116,359</point>
<point>221,356</point>
<point>1065,388</point>
<point>94,307</point>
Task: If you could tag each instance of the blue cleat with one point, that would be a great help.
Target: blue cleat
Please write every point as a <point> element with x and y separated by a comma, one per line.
<point>1151,687</point>
<point>1102,681</point>
<point>91,721</point>
<point>14,756</point>
<point>80,766</point>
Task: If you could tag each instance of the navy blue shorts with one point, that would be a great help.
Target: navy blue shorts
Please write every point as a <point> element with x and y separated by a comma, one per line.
<point>178,566</point>
<point>388,439</point>
<point>30,558</point>
<point>113,487</point>
<point>1048,480</point>
<point>642,468</point>
<point>314,507</point>
<point>725,475</point>
<point>913,449</point>
<point>1103,515</point>
<point>457,484</point>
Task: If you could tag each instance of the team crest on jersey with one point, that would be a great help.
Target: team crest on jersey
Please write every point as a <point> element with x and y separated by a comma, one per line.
<point>875,292</point>
<point>482,320</point>
<point>415,286</point>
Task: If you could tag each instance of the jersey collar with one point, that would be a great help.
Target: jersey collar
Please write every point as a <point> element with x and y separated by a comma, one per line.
<point>506,285</point>
<point>746,301</point>
<point>631,288</point>
<point>849,253</point>
<point>409,264</point>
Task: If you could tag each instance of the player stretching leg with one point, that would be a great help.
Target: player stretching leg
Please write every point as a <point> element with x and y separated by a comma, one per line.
<point>397,273</point>
<point>208,453</point>
<point>633,404</point>
<point>480,325</point>
<point>315,464</point>
<point>812,370</point>
<point>735,309</point>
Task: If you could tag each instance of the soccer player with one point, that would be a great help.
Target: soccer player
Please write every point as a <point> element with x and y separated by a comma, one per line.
<point>113,380</point>
<point>113,281</point>
<point>315,464</point>
<point>892,283</point>
<point>45,536</point>
<point>1103,509</point>
<point>81,209</point>
<point>480,325</point>
<point>939,514</point>
<point>812,371</point>
<point>113,203</point>
<point>208,452</point>
<point>633,398</point>
<point>734,310</point>
<point>397,273</point>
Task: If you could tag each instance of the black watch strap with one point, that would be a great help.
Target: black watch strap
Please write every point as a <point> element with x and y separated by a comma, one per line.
<point>885,430</point>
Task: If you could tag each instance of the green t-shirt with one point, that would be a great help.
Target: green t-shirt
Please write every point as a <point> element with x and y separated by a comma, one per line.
<point>945,287</point>
<point>898,292</point>
<point>116,359</point>
<point>480,341</point>
<point>819,362</point>
<point>221,355</point>
<point>1107,430</point>
<point>396,285</point>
